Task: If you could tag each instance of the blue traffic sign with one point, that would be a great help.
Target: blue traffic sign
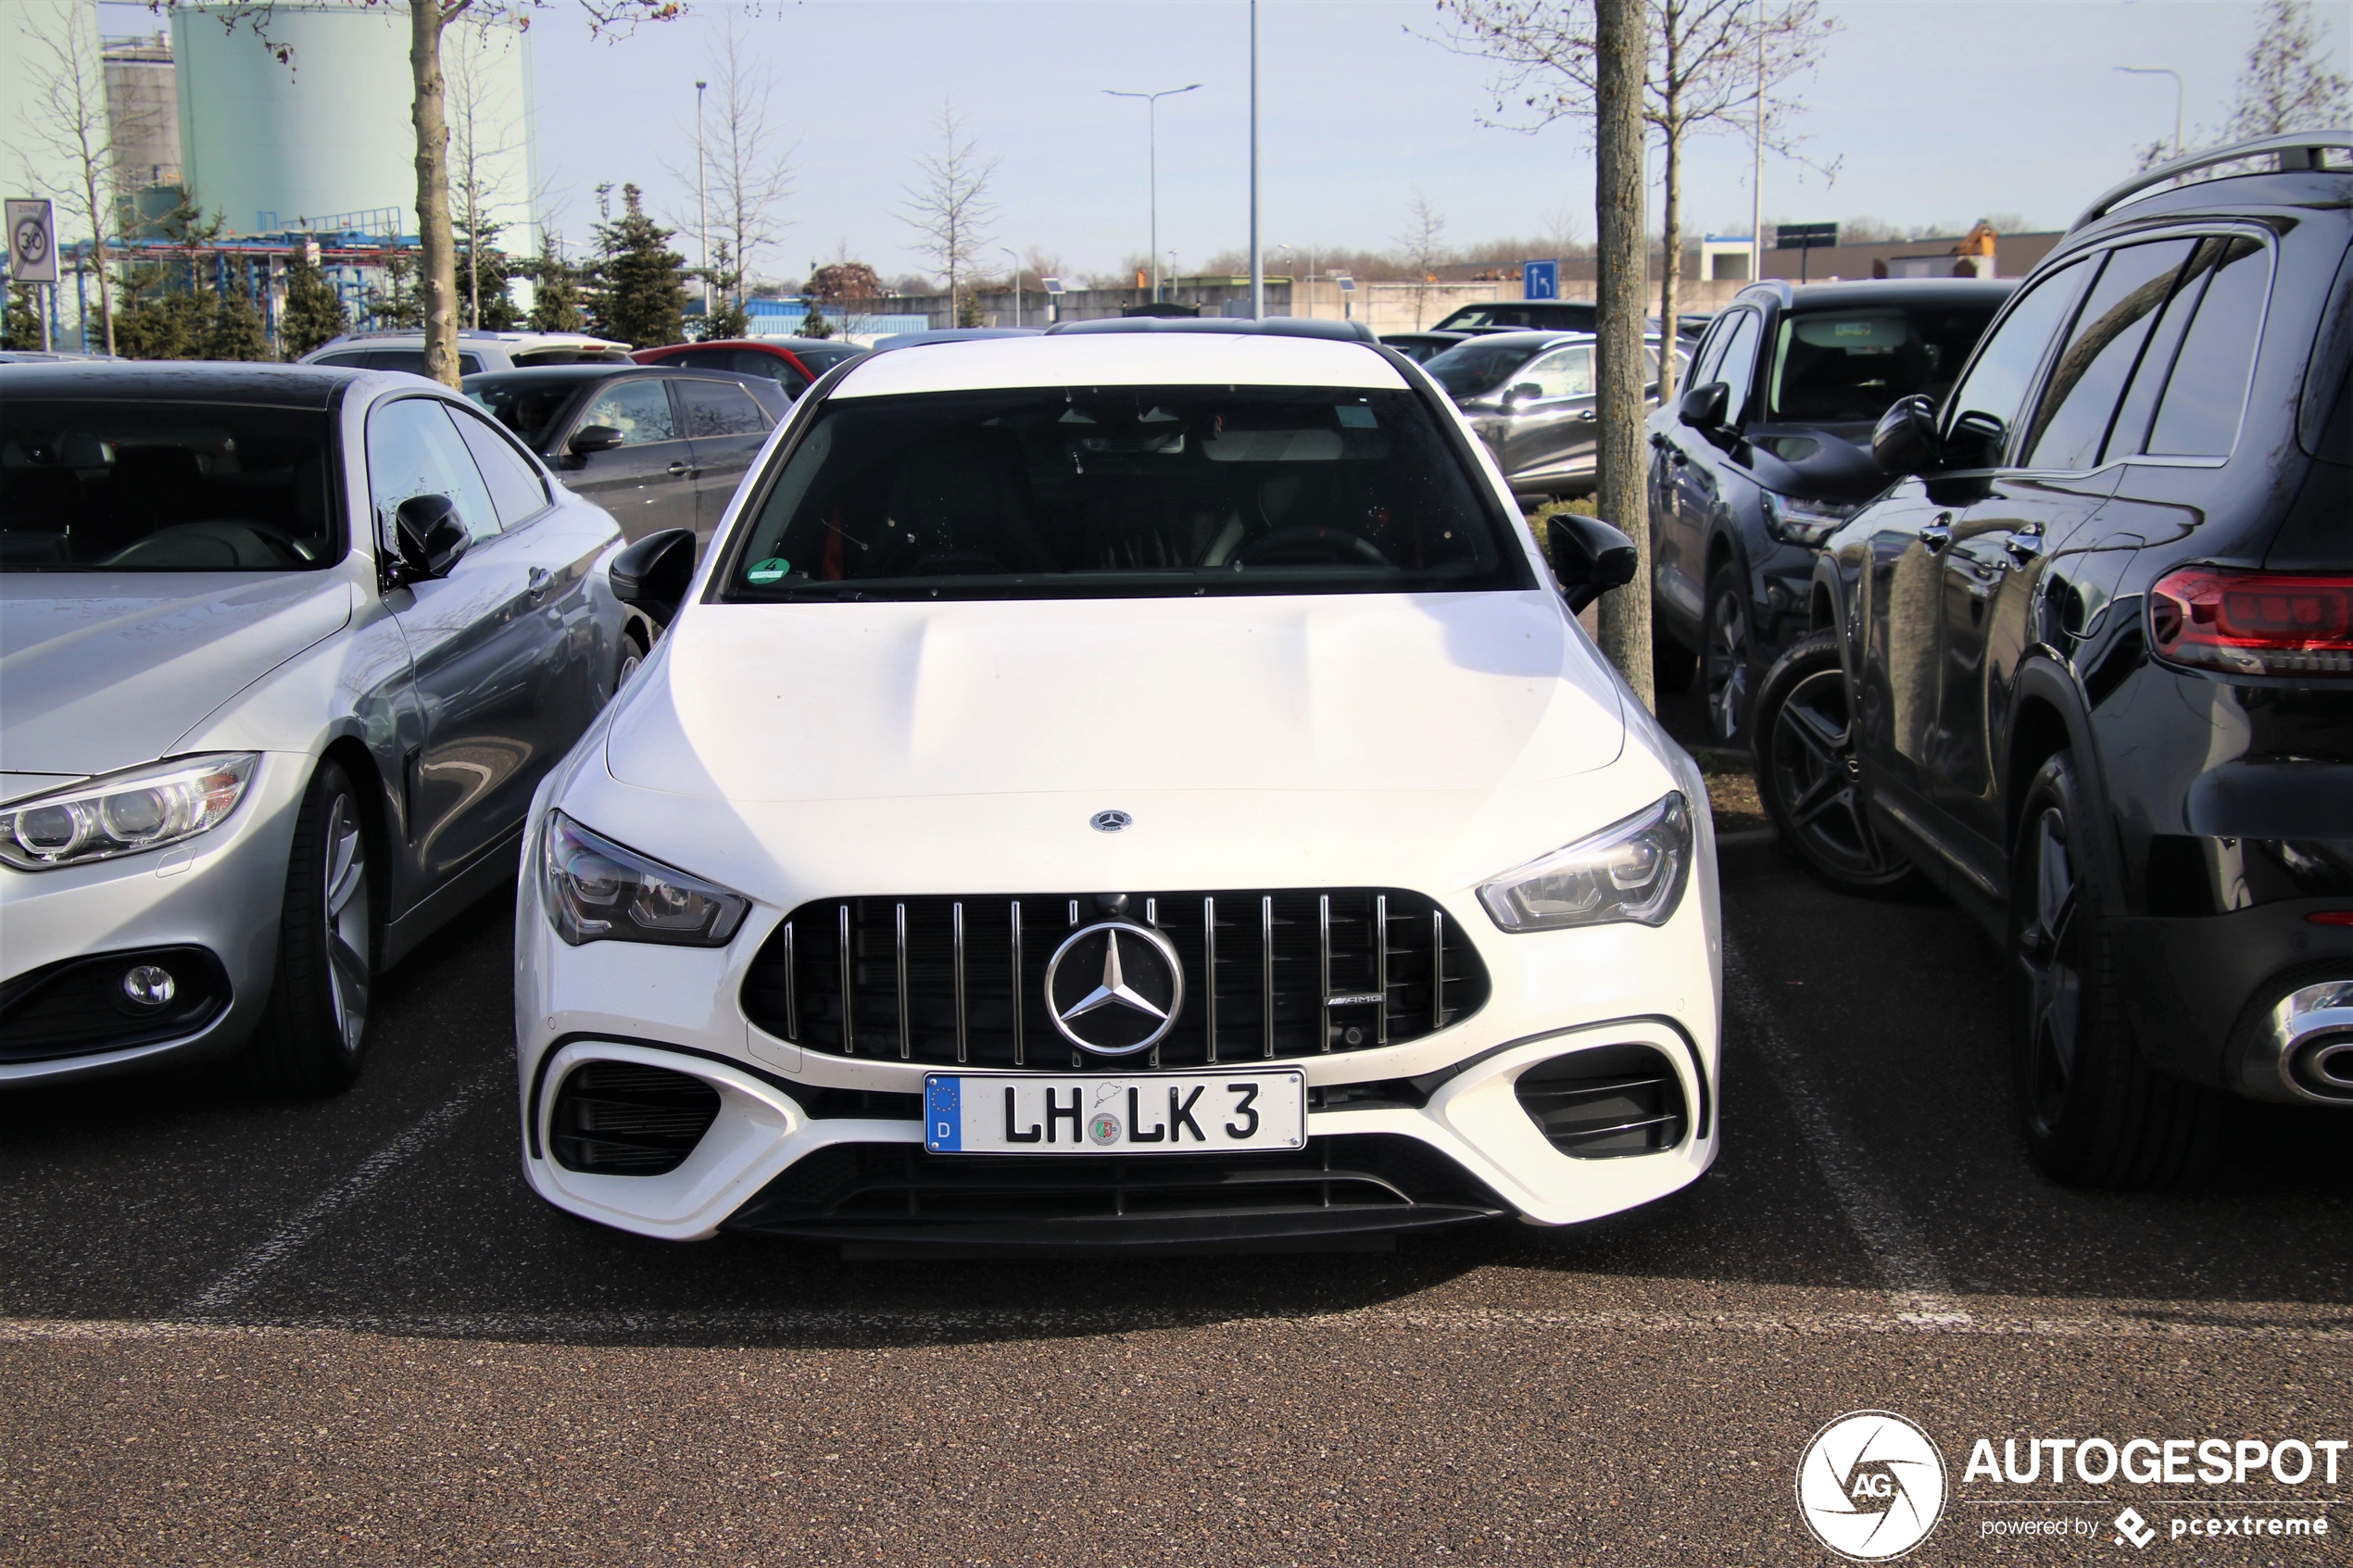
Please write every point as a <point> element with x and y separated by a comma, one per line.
<point>1540,279</point>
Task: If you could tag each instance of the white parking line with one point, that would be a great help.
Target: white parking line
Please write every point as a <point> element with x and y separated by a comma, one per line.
<point>306,1223</point>
<point>1914,1280</point>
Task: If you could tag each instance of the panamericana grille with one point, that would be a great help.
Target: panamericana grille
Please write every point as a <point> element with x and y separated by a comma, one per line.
<point>960,980</point>
<point>627,1119</point>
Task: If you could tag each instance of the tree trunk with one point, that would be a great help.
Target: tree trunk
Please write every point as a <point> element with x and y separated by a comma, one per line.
<point>1670,271</point>
<point>437,276</point>
<point>1621,55</point>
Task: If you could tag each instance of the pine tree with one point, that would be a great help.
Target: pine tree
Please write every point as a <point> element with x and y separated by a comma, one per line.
<point>313,312</point>
<point>638,298</point>
<point>395,304</point>
<point>555,298</point>
<point>22,328</point>
<point>814,324</point>
<point>724,317</point>
<point>233,331</point>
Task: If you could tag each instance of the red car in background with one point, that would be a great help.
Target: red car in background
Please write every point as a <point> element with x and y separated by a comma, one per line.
<point>792,362</point>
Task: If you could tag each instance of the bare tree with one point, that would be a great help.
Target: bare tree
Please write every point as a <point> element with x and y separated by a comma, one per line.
<point>750,163</point>
<point>1422,242</point>
<point>1713,66</point>
<point>476,152</point>
<point>67,120</point>
<point>948,205</point>
<point>2287,85</point>
<point>428,21</point>
<point>1619,48</point>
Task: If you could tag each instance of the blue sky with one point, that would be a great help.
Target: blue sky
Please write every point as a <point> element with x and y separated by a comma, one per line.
<point>1937,111</point>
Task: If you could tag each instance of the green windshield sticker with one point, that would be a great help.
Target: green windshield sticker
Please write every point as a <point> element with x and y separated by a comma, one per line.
<point>773,569</point>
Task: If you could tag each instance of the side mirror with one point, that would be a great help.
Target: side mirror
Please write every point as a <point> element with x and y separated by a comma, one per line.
<point>1905,439</point>
<point>653,574</point>
<point>1527,390</point>
<point>432,537</point>
<point>591,439</point>
<point>1589,557</point>
<point>1702,407</point>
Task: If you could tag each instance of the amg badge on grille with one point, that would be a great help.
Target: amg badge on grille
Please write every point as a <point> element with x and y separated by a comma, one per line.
<point>1114,988</point>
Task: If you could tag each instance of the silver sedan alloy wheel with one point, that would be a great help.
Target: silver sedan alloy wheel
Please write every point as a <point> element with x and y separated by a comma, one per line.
<point>345,907</point>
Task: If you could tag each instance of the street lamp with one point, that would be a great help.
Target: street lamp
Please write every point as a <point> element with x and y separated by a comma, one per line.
<point>1016,262</point>
<point>702,206</point>
<point>2164,71</point>
<point>1152,132</point>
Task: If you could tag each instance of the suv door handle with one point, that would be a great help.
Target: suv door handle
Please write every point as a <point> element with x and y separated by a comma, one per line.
<point>2025,545</point>
<point>681,469</point>
<point>1589,416</point>
<point>1937,534</point>
<point>536,583</point>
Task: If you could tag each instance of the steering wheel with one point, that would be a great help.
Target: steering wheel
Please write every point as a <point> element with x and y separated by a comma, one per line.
<point>213,536</point>
<point>1308,545</point>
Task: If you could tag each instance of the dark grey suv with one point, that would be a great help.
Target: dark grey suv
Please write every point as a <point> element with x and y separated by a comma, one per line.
<point>2088,665</point>
<point>1765,452</point>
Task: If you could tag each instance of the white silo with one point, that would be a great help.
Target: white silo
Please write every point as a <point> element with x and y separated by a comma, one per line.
<point>273,144</point>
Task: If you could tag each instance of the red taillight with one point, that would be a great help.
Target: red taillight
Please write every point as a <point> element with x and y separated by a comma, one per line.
<point>2331,917</point>
<point>2254,622</point>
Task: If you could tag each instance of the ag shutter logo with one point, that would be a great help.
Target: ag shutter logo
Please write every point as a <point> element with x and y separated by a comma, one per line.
<point>1871,1485</point>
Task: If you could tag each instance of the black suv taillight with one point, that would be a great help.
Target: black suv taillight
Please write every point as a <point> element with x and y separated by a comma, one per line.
<point>2254,622</point>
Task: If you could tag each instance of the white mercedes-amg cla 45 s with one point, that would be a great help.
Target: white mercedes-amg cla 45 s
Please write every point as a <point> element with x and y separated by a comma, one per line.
<point>1139,787</point>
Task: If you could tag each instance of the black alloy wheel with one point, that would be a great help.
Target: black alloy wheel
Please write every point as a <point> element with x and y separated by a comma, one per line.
<point>1807,773</point>
<point>1726,651</point>
<point>312,1033</point>
<point>2096,1113</point>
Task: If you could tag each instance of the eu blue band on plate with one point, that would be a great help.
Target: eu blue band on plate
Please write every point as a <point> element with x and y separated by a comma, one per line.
<point>943,1115</point>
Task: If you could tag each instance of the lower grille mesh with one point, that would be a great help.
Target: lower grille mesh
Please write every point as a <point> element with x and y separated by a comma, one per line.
<point>624,1119</point>
<point>1606,1104</point>
<point>948,981</point>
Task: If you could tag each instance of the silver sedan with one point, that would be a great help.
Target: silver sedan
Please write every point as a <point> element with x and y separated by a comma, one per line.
<point>284,653</point>
<point>1530,396</point>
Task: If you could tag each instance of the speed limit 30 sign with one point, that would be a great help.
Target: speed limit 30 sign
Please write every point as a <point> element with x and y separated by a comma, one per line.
<point>33,242</point>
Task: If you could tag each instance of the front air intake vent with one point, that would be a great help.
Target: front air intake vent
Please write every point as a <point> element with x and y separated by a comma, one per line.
<point>1606,1104</point>
<point>1268,974</point>
<point>625,1118</point>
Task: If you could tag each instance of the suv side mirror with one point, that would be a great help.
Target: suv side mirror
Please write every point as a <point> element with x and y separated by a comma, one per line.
<point>591,439</point>
<point>430,536</point>
<point>1589,557</point>
<point>1527,390</point>
<point>1905,439</point>
<point>654,573</point>
<point>1702,407</point>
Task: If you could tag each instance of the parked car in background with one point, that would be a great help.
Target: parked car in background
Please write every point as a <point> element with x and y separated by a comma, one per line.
<point>1422,347</point>
<point>2088,665</point>
<point>287,651</point>
<point>1765,452</point>
<point>477,351</point>
<point>791,362</point>
<point>912,899</point>
<point>657,447</point>
<point>1530,396</point>
<point>1521,315</point>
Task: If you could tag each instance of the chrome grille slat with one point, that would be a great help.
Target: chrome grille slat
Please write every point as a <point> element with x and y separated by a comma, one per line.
<point>963,985</point>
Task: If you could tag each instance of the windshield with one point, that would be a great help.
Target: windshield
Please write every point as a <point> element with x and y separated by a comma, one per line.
<point>1109,492</point>
<point>528,405</point>
<point>125,486</point>
<point>1845,367</point>
<point>1474,369</point>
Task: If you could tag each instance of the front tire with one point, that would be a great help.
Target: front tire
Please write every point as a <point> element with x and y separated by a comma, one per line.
<point>1806,774</point>
<point>2095,1114</point>
<point>312,1034</point>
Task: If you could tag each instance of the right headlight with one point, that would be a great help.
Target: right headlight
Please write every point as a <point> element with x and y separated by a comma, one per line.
<point>1633,870</point>
<point>1798,520</point>
<point>124,813</point>
<point>600,892</point>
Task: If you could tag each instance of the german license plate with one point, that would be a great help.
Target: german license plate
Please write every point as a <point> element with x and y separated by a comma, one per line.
<point>1151,1113</point>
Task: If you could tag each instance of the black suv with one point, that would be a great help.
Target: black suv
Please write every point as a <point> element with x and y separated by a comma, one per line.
<point>2088,665</point>
<point>1764,454</point>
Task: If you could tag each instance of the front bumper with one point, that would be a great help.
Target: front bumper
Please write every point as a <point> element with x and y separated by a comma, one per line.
<point>1447,1131</point>
<point>220,891</point>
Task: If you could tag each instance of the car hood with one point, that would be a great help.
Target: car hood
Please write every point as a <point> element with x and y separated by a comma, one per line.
<point>108,670</point>
<point>1422,694</point>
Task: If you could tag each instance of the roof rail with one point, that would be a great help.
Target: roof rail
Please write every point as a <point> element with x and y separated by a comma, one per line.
<point>1265,326</point>
<point>1783,295</point>
<point>2298,149</point>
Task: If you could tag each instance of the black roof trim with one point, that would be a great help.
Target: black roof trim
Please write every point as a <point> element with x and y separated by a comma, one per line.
<point>285,386</point>
<point>1234,326</point>
<point>2293,152</point>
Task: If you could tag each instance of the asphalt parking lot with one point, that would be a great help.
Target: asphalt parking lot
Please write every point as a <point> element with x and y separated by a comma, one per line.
<point>233,1332</point>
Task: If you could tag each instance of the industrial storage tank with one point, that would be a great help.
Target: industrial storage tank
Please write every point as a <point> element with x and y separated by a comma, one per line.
<point>273,144</point>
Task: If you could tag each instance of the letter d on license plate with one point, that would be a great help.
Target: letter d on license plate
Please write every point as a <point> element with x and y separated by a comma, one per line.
<point>1151,1113</point>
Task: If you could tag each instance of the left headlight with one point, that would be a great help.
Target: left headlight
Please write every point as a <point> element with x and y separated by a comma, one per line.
<point>124,813</point>
<point>1633,870</point>
<point>1799,519</point>
<point>600,892</point>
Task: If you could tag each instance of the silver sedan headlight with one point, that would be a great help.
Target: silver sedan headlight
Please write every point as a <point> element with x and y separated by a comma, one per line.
<point>124,813</point>
<point>1633,870</point>
<point>600,892</point>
